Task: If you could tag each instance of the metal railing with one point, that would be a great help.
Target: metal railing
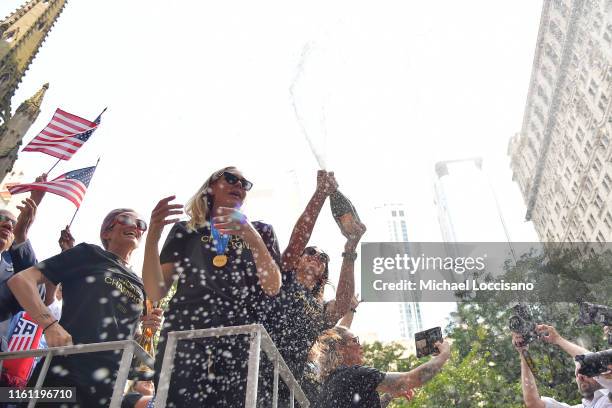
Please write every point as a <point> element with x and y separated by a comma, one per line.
<point>129,347</point>
<point>260,339</point>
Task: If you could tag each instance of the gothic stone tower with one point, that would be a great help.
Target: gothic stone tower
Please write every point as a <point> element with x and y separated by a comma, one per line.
<point>21,35</point>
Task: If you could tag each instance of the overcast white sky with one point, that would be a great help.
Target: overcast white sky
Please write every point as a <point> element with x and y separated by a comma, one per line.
<point>384,90</point>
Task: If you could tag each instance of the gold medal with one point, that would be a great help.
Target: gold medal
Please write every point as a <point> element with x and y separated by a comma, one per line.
<point>220,260</point>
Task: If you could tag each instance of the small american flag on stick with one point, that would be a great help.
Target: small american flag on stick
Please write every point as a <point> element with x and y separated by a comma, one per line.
<point>72,185</point>
<point>63,136</point>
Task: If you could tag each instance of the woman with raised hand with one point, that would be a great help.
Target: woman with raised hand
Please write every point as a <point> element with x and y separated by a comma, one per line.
<point>299,314</point>
<point>224,266</point>
<point>102,301</point>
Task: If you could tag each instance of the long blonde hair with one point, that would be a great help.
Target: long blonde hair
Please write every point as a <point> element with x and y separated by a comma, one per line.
<point>201,203</point>
<point>325,352</point>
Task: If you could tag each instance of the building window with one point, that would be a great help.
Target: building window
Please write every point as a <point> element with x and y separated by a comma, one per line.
<point>603,102</point>
<point>607,35</point>
<point>591,221</point>
<point>582,205</point>
<point>600,238</point>
<point>579,134</point>
<point>598,201</point>
<point>604,141</point>
<point>607,183</point>
<point>597,165</point>
<point>593,88</point>
<point>608,220</point>
<point>588,186</point>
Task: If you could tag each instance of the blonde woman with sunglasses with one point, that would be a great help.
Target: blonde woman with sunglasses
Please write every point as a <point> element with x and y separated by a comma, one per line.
<point>224,266</point>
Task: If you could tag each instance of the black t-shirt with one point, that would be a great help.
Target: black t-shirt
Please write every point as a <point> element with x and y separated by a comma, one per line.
<point>351,387</point>
<point>294,319</point>
<point>103,301</point>
<point>209,296</point>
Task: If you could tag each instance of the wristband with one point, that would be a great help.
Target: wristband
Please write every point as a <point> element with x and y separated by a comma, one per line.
<point>351,256</point>
<point>49,325</point>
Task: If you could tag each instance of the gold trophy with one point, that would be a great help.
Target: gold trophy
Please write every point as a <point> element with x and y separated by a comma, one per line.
<point>146,340</point>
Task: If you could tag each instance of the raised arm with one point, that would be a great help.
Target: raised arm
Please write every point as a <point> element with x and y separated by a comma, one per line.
<point>157,278</point>
<point>347,319</point>
<point>401,383</point>
<point>326,184</point>
<point>24,288</point>
<point>550,335</point>
<point>346,282</point>
<point>531,395</point>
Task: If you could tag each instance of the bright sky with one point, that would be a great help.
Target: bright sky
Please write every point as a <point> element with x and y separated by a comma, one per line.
<point>383,89</point>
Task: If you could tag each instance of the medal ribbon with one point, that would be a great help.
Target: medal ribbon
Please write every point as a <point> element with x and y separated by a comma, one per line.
<point>220,240</point>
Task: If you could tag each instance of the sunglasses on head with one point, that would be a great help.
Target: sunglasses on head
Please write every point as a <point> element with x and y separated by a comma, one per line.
<point>233,179</point>
<point>5,218</point>
<point>129,221</point>
<point>312,252</point>
<point>353,340</point>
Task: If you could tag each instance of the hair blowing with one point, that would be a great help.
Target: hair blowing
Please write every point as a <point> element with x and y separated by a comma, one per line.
<point>326,353</point>
<point>200,204</point>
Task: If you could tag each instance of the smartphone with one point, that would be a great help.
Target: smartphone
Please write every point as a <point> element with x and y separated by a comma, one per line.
<point>425,341</point>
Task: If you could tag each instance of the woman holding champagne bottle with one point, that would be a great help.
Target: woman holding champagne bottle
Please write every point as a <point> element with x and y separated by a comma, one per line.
<point>298,315</point>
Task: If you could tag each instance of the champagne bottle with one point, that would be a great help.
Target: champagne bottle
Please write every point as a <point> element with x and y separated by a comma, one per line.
<point>343,211</point>
<point>146,340</point>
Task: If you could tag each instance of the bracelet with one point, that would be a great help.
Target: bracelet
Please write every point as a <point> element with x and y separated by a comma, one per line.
<point>49,325</point>
<point>351,256</point>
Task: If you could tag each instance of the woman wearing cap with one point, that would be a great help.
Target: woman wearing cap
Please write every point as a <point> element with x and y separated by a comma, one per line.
<point>224,266</point>
<point>102,299</point>
<point>298,315</point>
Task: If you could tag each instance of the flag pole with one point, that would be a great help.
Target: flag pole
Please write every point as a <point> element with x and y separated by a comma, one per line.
<point>77,210</point>
<point>56,163</point>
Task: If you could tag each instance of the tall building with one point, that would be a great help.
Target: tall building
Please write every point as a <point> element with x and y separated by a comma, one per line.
<point>466,203</point>
<point>13,130</point>
<point>21,35</point>
<point>561,159</point>
<point>393,227</point>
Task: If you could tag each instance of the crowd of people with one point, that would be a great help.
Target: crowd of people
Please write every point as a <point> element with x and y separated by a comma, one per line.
<point>225,270</point>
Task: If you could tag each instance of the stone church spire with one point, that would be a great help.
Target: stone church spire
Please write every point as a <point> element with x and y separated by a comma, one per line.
<point>21,35</point>
<point>13,130</point>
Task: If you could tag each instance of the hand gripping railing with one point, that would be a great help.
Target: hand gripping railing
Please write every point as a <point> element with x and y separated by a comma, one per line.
<point>260,339</point>
<point>129,347</point>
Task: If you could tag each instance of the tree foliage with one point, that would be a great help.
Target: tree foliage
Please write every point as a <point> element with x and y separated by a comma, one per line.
<point>484,370</point>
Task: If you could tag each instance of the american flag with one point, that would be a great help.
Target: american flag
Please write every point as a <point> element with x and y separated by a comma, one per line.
<point>71,185</point>
<point>63,136</point>
<point>23,335</point>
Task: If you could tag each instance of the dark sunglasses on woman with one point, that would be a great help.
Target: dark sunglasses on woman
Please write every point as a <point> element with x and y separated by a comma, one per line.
<point>233,179</point>
<point>312,252</point>
<point>130,221</point>
<point>5,218</point>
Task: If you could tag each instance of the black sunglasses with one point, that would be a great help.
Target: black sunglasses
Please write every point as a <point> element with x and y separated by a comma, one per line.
<point>312,252</point>
<point>233,179</point>
<point>5,218</point>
